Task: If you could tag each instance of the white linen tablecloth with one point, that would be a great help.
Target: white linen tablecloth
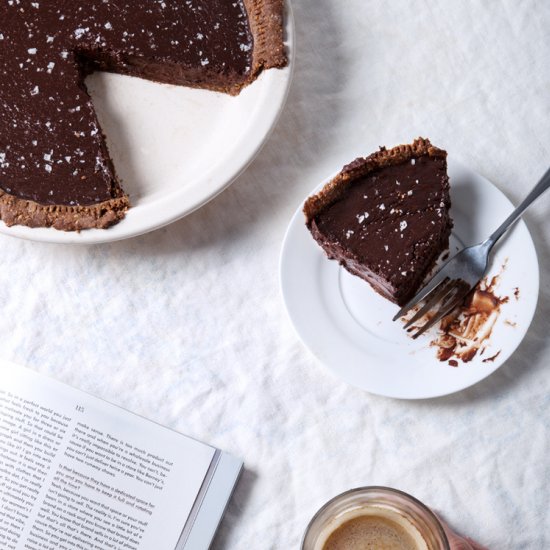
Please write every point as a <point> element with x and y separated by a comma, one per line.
<point>186,325</point>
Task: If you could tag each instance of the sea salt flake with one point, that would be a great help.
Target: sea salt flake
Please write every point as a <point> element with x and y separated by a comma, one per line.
<point>48,168</point>
<point>409,193</point>
<point>413,161</point>
<point>402,225</point>
<point>79,33</point>
<point>32,51</point>
<point>386,247</point>
<point>349,233</point>
<point>35,90</point>
<point>382,206</point>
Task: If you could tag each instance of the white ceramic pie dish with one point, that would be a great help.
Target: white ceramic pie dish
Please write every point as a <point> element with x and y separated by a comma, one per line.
<point>175,148</point>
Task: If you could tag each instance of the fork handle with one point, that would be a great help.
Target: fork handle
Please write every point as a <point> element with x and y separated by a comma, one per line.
<point>537,191</point>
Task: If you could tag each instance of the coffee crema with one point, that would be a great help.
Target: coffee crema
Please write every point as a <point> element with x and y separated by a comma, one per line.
<point>371,528</point>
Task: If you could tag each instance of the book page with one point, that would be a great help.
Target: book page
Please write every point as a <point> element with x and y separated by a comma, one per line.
<point>79,473</point>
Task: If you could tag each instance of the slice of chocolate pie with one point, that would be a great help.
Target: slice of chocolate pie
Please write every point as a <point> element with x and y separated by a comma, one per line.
<point>55,169</point>
<point>385,217</point>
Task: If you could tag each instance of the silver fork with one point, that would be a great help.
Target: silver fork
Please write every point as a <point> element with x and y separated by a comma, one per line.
<point>458,276</point>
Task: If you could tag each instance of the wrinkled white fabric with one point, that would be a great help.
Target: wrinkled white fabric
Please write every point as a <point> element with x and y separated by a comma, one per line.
<point>186,325</point>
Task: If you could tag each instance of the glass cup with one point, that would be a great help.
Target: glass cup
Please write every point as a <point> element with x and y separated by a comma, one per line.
<point>423,520</point>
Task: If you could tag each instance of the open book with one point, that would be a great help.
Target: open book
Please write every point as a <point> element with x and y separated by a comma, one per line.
<point>78,472</point>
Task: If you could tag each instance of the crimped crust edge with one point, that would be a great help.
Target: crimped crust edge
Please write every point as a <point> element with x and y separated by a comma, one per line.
<point>362,166</point>
<point>266,19</point>
<point>16,211</point>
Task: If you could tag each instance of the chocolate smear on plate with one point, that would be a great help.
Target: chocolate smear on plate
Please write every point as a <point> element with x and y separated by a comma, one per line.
<point>466,332</point>
<point>491,359</point>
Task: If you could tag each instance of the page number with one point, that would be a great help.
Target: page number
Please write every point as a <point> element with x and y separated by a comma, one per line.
<point>79,408</point>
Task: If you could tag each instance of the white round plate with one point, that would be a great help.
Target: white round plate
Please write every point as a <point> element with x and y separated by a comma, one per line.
<point>175,148</point>
<point>349,327</point>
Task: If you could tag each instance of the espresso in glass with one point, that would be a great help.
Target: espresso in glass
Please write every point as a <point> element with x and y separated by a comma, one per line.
<point>374,518</point>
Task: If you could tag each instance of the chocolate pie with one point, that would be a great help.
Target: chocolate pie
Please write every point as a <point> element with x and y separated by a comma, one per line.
<point>55,169</point>
<point>385,218</point>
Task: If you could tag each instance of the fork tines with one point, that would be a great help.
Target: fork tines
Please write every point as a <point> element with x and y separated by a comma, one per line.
<point>447,294</point>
